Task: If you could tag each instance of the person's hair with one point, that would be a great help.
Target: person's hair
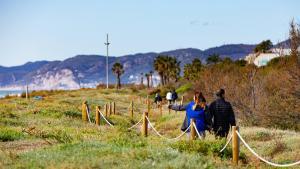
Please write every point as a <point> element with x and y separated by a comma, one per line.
<point>198,98</point>
<point>221,93</point>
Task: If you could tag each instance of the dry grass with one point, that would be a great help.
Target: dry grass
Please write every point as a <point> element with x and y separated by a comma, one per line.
<point>52,135</point>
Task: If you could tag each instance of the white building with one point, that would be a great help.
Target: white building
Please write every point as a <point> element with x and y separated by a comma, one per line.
<point>262,59</point>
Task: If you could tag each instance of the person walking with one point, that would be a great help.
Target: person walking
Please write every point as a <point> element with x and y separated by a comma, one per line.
<point>196,110</point>
<point>222,115</point>
<point>157,99</point>
<point>174,96</point>
<point>169,97</point>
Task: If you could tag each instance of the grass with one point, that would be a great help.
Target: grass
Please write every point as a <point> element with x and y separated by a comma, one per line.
<point>50,134</point>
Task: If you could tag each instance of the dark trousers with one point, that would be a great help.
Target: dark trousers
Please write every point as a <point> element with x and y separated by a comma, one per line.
<point>221,133</point>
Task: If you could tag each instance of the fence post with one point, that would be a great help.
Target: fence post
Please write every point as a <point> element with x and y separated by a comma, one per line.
<point>106,109</point>
<point>145,125</point>
<point>235,146</point>
<point>110,109</point>
<point>84,111</point>
<point>193,130</point>
<point>97,115</point>
<point>148,104</point>
<point>131,111</point>
<point>114,108</point>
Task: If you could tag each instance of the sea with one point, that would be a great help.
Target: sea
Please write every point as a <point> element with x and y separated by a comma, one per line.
<point>4,93</point>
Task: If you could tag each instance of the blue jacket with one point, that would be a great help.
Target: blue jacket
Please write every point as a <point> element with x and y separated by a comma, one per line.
<point>198,114</point>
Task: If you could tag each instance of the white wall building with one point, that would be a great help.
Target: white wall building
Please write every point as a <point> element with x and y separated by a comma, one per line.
<point>262,59</point>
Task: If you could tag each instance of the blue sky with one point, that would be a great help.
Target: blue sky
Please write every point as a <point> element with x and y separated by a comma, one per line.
<point>33,30</point>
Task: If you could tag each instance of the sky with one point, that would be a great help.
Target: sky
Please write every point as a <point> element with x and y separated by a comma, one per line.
<point>32,30</point>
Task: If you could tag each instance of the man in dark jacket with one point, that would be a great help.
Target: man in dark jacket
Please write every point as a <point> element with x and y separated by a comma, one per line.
<point>222,115</point>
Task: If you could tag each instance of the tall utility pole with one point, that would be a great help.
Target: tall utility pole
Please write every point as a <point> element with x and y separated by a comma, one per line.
<point>107,44</point>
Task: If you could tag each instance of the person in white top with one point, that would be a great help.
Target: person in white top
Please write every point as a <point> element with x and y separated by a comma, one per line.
<point>169,97</point>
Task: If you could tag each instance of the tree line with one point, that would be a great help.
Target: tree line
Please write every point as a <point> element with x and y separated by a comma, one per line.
<point>168,67</point>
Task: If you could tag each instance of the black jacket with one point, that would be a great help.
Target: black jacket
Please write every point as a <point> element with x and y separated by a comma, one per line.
<point>222,115</point>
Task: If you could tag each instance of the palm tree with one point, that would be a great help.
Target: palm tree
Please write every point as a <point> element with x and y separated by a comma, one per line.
<point>160,67</point>
<point>118,70</point>
<point>148,79</point>
<point>151,78</point>
<point>167,68</point>
<point>142,79</point>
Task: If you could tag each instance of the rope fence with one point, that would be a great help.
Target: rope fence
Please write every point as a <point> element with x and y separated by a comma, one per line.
<point>263,159</point>
<point>228,141</point>
<point>160,135</point>
<point>234,137</point>
<point>135,124</point>
<point>106,119</point>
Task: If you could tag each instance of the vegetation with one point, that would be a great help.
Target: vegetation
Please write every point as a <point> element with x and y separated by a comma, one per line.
<point>49,133</point>
<point>118,70</point>
<point>168,68</point>
<point>263,47</point>
<point>192,70</point>
<point>295,41</point>
<point>213,59</point>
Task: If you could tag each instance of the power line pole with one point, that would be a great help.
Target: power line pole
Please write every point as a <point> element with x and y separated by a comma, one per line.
<point>107,44</point>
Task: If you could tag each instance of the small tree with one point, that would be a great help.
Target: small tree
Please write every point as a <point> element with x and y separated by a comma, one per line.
<point>295,41</point>
<point>191,71</point>
<point>213,59</point>
<point>264,46</point>
<point>118,70</point>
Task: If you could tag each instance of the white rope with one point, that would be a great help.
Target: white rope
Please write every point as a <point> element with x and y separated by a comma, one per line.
<point>106,119</point>
<point>200,137</point>
<point>88,112</point>
<point>164,136</point>
<point>228,141</point>
<point>264,160</point>
<point>135,124</point>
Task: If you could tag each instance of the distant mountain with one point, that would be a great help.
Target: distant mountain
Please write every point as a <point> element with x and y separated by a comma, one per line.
<point>235,51</point>
<point>89,70</point>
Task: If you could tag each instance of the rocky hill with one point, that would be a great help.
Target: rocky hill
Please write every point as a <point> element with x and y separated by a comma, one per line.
<point>89,70</point>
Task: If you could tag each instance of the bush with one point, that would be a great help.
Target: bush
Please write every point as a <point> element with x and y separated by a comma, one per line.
<point>184,88</point>
<point>10,135</point>
<point>72,114</point>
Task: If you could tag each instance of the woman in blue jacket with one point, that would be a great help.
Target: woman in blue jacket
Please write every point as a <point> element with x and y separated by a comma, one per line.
<point>194,110</point>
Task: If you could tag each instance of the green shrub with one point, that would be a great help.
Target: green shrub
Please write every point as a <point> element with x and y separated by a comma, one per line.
<point>59,135</point>
<point>184,88</point>
<point>10,135</point>
<point>72,114</point>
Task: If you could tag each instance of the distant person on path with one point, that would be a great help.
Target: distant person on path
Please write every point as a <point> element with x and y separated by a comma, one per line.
<point>169,97</point>
<point>196,110</point>
<point>222,115</point>
<point>157,98</point>
<point>174,96</point>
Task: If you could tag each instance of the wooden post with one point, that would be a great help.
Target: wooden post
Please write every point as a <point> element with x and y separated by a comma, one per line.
<point>84,111</point>
<point>131,111</point>
<point>97,115</point>
<point>145,125</point>
<point>106,110</point>
<point>148,105</point>
<point>193,130</point>
<point>114,108</point>
<point>109,108</point>
<point>235,146</point>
